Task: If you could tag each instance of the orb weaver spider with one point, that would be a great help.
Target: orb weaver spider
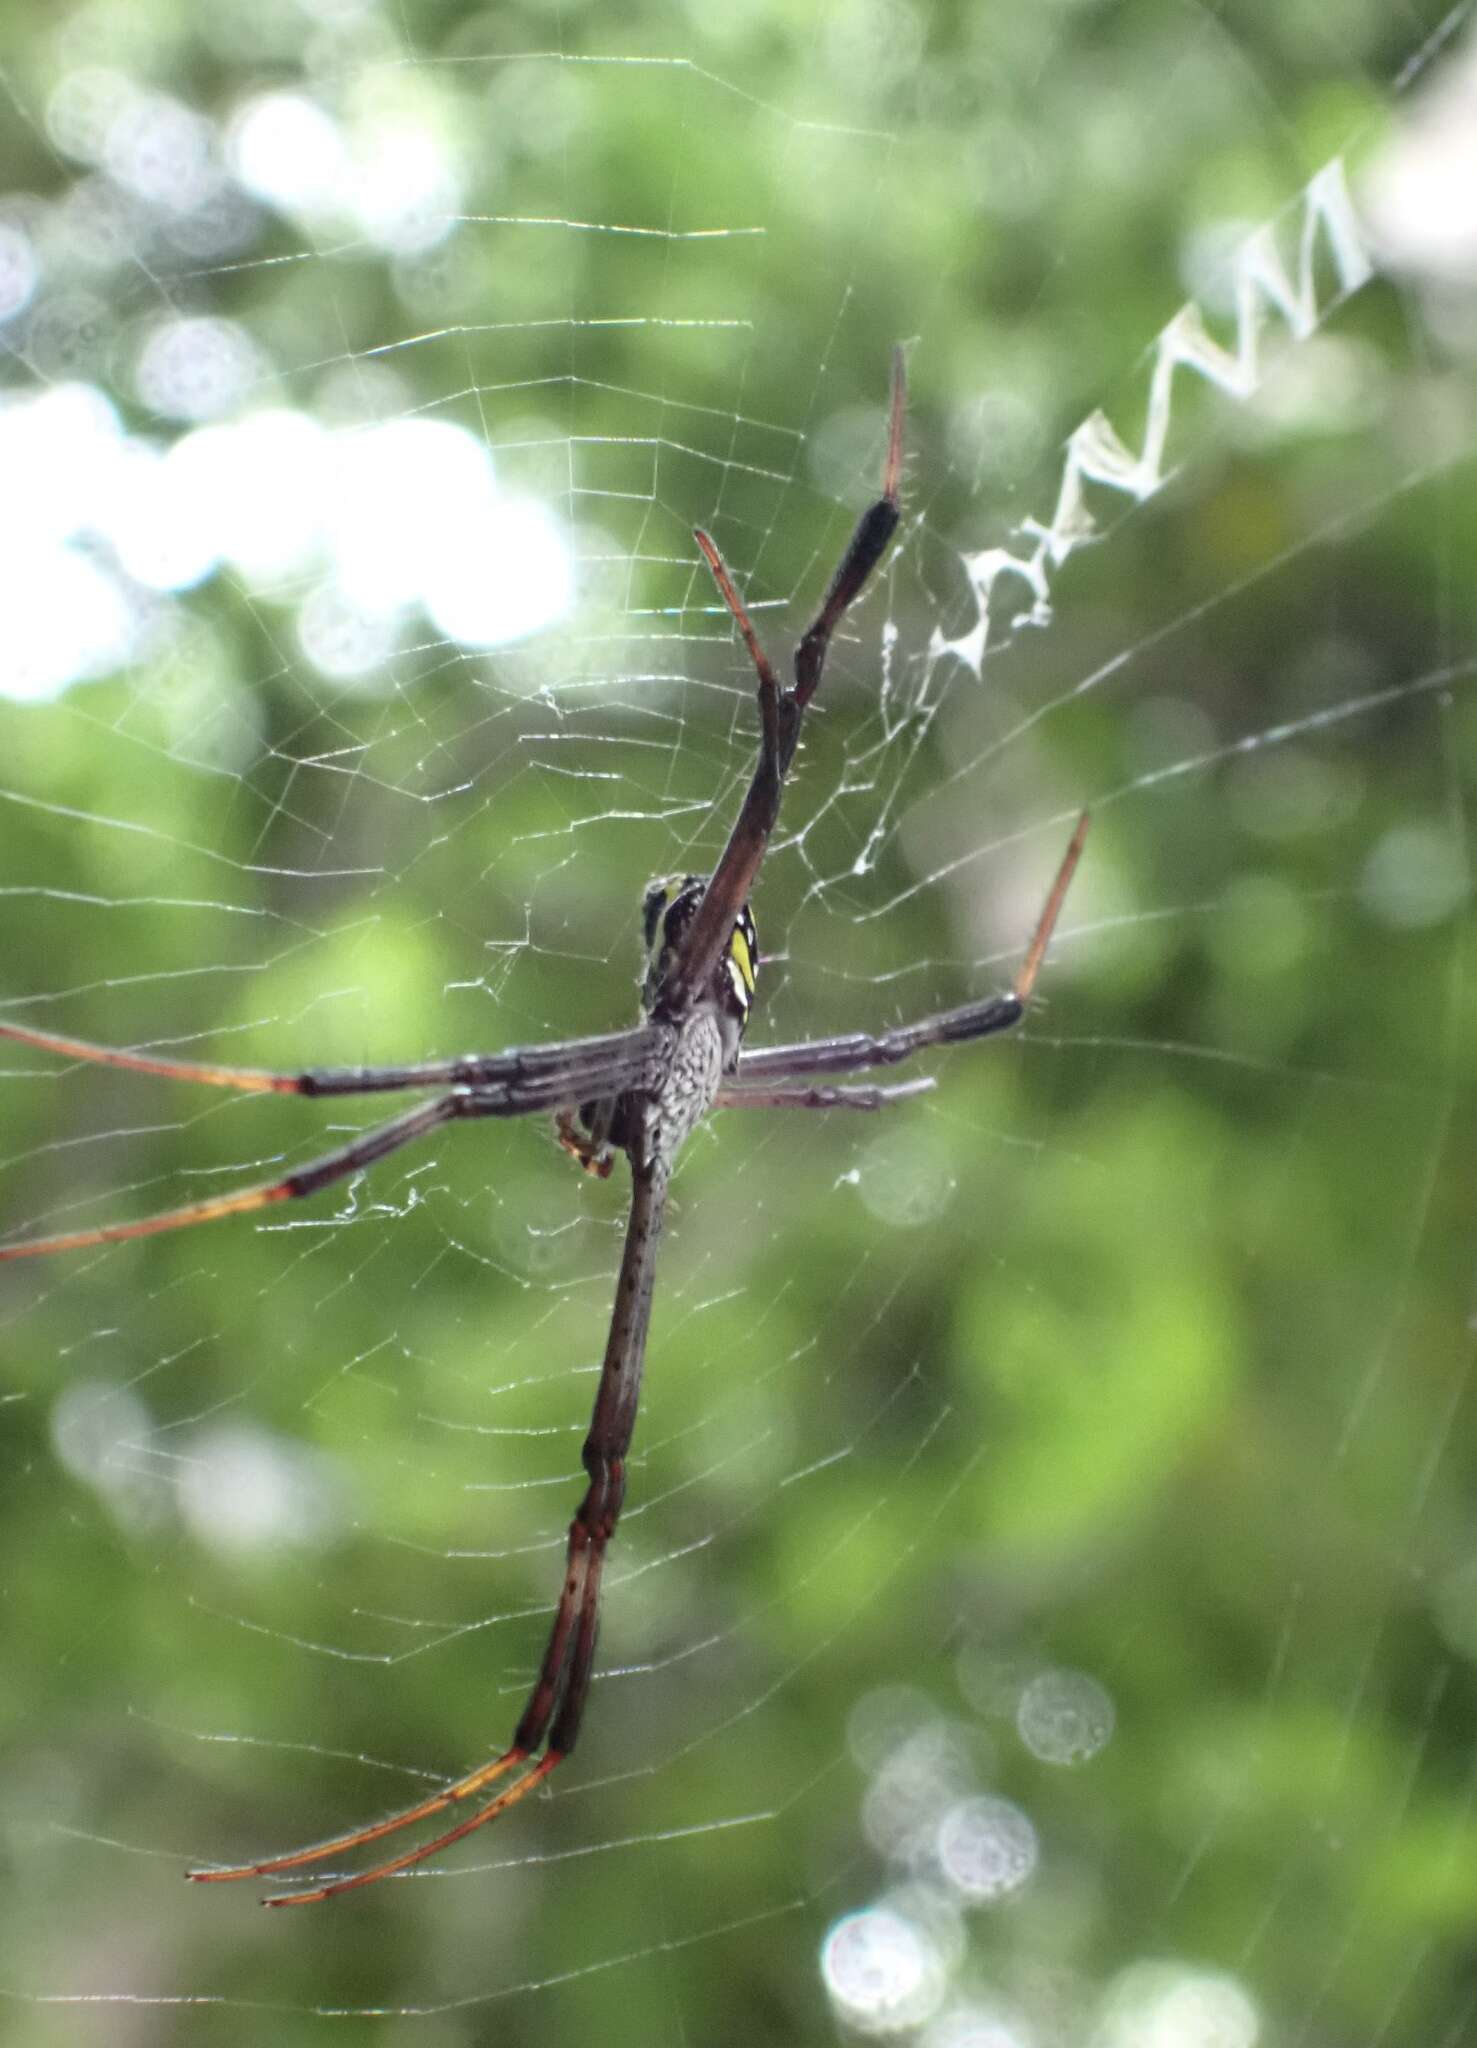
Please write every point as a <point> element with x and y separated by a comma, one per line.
<point>640,1092</point>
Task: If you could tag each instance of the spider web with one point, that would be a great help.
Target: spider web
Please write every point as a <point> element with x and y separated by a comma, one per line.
<point>1045,1606</point>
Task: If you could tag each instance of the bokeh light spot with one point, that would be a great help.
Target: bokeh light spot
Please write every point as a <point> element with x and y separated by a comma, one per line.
<point>987,1848</point>
<point>1064,1717</point>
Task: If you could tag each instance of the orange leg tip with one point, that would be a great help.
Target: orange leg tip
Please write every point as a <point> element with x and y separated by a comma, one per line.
<point>492,1811</point>
<point>228,1875</point>
<point>590,1157</point>
<point>1046,924</point>
<point>297,1898</point>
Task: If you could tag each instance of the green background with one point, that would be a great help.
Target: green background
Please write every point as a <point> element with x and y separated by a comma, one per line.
<point>1141,1347</point>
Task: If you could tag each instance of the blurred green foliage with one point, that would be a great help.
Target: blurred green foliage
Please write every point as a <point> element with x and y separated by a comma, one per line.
<point>1140,1347</point>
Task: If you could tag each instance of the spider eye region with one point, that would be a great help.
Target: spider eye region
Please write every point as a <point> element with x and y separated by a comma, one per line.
<point>654,902</point>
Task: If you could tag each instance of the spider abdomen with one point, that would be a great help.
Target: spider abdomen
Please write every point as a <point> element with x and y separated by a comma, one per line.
<point>670,1116</point>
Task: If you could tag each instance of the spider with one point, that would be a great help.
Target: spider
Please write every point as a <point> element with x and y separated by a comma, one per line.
<point>640,1092</point>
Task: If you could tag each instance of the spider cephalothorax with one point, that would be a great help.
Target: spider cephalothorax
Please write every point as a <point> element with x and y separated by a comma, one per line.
<point>641,1092</point>
<point>667,911</point>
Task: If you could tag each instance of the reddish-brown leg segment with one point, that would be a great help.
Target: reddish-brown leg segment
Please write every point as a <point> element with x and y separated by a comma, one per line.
<point>556,1703</point>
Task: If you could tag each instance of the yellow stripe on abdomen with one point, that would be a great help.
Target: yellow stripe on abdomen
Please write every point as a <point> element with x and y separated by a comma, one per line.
<point>742,956</point>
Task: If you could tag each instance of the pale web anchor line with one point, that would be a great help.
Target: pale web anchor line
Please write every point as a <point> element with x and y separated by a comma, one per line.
<point>1097,454</point>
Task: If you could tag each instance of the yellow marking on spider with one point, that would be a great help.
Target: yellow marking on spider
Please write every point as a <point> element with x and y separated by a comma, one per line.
<point>742,956</point>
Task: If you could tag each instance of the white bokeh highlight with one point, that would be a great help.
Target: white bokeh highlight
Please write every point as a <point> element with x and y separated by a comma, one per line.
<point>197,369</point>
<point>162,151</point>
<point>359,528</point>
<point>987,1848</point>
<point>1415,876</point>
<point>69,612</point>
<point>1169,2005</point>
<point>20,269</point>
<point>1421,191</point>
<point>1065,1717</point>
<point>290,153</point>
<point>973,2024</point>
<point>243,1490</point>
<point>882,1970</point>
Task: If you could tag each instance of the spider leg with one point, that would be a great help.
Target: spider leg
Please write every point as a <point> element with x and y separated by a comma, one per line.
<point>550,1720</point>
<point>532,1726</point>
<point>438,1802</point>
<point>874,530</point>
<point>618,1057</point>
<point>855,1050</point>
<point>526,1784</point>
<point>584,1132</point>
<point>859,1049</point>
<point>319,1173</point>
<point>1025,981</point>
<point>780,715</point>
<point>250,1080</point>
<point>751,1095</point>
<point>769,688</point>
<point>560,1074</point>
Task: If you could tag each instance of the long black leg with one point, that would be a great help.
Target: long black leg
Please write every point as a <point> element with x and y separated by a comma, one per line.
<point>857,1050</point>
<point>780,716</point>
<point>617,1060</point>
<point>874,530</point>
<point>743,1094</point>
<point>860,1049</point>
<point>556,1703</point>
<point>549,1086</point>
